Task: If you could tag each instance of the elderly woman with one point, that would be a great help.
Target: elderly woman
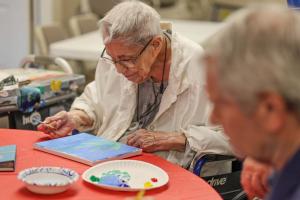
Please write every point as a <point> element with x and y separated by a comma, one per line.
<point>148,90</point>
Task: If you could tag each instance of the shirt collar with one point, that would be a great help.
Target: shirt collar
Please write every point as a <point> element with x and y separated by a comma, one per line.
<point>284,182</point>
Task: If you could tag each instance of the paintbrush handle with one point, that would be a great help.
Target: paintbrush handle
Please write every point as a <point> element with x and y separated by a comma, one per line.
<point>48,125</point>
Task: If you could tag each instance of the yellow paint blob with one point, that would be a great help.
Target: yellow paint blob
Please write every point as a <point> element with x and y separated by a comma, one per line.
<point>148,184</point>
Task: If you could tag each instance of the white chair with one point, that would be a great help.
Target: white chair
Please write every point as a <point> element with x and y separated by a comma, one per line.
<point>46,35</point>
<point>81,24</point>
<point>98,7</point>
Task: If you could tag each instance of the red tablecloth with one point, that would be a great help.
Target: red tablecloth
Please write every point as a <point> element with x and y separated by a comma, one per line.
<point>182,183</point>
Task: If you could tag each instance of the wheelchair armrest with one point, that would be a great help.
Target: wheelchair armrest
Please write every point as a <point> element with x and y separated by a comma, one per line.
<point>236,164</point>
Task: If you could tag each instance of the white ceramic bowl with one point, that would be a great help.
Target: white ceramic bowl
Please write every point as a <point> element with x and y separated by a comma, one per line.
<point>48,180</point>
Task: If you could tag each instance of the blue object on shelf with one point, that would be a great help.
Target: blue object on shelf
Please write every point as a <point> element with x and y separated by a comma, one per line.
<point>28,99</point>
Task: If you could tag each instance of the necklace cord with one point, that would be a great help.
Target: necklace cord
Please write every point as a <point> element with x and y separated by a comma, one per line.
<point>161,89</point>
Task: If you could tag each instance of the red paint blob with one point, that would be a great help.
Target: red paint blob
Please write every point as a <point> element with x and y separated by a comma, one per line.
<point>154,180</point>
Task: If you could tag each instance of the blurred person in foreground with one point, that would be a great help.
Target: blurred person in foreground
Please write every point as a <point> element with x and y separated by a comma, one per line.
<point>253,70</point>
<point>149,90</point>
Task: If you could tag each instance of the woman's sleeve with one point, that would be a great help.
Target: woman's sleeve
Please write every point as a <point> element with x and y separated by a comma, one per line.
<point>88,102</point>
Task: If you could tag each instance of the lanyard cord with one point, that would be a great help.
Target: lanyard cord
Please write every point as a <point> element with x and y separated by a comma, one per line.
<point>161,90</point>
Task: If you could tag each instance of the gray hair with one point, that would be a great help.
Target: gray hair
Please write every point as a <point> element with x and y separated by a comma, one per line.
<point>259,51</point>
<point>132,21</point>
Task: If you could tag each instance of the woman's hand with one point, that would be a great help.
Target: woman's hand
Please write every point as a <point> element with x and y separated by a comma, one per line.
<point>151,141</point>
<point>58,125</point>
<point>254,178</point>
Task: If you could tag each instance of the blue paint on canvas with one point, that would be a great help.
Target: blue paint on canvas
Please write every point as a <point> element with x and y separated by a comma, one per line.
<point>88,147</point>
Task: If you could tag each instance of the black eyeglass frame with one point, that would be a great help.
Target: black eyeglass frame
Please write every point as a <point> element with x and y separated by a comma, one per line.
<point>132,60</point>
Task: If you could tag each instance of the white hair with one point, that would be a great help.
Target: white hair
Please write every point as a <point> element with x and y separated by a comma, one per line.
<point>133,21</point>
<point>259,51</point>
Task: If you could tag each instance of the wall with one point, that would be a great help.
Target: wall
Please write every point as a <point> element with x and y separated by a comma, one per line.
<point>43,12</point>
<point>15,32</point>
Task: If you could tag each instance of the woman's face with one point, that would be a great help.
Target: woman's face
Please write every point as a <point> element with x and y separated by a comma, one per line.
<point>134,61</point>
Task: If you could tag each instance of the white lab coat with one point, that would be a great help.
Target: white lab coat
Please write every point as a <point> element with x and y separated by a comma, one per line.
<point>110,101</point>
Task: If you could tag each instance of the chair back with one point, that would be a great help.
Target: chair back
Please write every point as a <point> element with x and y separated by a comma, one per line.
<point>81,24</point>
<point>48,34</point>
<point>98,7</point>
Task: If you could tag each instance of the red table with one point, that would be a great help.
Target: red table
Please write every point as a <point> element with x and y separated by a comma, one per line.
<point>182,183</point>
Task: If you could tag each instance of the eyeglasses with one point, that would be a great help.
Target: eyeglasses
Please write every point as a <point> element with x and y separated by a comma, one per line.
<point>127,63</point>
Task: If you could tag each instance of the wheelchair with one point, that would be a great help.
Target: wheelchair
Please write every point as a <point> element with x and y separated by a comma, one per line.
<point>226,183</point>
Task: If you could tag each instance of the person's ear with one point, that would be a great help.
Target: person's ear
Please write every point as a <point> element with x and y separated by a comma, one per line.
<point>157,43</point>
<point>271,112</point>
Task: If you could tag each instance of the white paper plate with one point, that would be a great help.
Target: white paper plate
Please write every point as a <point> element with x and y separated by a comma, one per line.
<point>126,175</point>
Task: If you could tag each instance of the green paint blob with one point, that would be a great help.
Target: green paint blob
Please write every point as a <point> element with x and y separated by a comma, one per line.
<point>94,178</point>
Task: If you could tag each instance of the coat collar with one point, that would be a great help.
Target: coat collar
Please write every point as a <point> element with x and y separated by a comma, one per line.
<point>177,83</point>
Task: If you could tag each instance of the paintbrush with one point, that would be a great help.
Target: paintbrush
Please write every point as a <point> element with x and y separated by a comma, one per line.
<point>40,122</point>
<point>140,195</point>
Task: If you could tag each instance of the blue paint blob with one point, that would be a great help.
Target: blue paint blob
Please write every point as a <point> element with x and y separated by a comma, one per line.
<point>113,180</point>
